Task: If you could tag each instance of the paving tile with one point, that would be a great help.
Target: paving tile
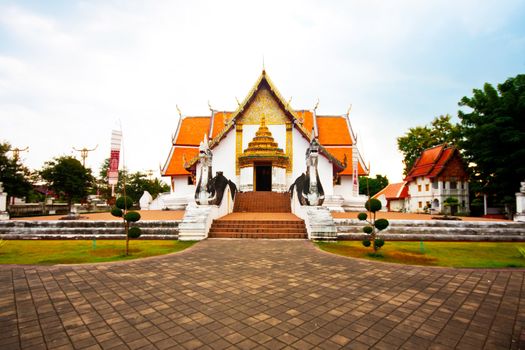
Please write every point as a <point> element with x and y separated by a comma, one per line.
<point>258,294</point>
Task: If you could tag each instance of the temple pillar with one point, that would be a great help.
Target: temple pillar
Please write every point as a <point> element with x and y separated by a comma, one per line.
<point>246,179</point>
<point>520,204</point>
<point>278,179</point>
<point>4,215</point>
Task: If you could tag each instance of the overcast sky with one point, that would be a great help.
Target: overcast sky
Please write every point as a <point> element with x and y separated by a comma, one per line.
<point>70,71</point>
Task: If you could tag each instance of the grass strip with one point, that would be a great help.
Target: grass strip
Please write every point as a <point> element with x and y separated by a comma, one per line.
<point>449,254</point>
<point>50,252</point>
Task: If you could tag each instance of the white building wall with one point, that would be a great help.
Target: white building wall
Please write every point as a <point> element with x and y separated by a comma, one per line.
<point>345,188</point>
<point>418,192</point>
<point>224,158</point>
<point>397,205</point>
<point>181,188</point>
<point>421,192</point>
<point>300,145</point>
<point>325,170</point>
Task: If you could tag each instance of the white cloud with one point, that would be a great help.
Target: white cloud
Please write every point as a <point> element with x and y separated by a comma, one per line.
<point>67,76</point>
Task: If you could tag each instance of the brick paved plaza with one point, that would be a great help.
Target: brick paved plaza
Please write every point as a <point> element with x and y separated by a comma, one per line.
<point>258,294</point>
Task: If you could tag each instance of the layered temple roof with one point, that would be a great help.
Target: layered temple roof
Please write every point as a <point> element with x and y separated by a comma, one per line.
<point>334,133</point>
<point>397,190</point>
<point>434,161</point>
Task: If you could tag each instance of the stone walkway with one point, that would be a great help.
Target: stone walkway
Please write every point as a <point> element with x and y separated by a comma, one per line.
<point>258,294</point>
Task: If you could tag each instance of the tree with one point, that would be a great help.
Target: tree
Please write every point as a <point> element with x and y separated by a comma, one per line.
<point>494,138</point>
<point>373,225</point>
<point>68,178</point>
<point>370,186</point>
<point>136,184</point>
<point>121,210</point>
<point>417,139</point>
<point>452,203</point>
<point>13,175</point>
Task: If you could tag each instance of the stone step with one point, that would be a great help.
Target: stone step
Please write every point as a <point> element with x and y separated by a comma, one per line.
<point>273,235</point>
<point>281,229</point>
<point>84,229</point>
<point>267,202</point>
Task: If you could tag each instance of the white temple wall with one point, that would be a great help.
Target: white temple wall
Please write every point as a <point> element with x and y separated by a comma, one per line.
<point>345,188</point>
<point>325,170</point>
<point>224,158</point>
<point>181,187</point>
<point>300,144</point>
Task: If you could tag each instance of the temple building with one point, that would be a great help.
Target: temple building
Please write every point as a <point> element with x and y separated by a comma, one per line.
<point>261,146</point>
<point>437,174</point>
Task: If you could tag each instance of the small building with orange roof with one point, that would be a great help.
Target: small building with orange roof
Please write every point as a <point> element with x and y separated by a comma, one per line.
<point>439,173</point>
<point>394,197</point>
<point>232,134</point>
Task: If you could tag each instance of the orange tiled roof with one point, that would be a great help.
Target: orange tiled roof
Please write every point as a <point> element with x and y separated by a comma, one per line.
<point>333,131</point>
<point>192,130</point>
<point>431,162</point>
<point>218,122</point>
<point>394,191</point>
<point>339,153</point>
<point>307,118</point>
<point>176,161</point>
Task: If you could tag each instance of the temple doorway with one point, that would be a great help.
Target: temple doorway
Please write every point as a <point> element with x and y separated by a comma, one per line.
<point>263,177</point>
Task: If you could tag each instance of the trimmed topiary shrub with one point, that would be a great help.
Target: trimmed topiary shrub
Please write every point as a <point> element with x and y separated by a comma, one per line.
<point>381,224</point>
<point>132,216</point>
<point>362,216</point>
<point>373,205</point>
<point>117,212</point>
<point>374,226</point>
<point>124,203</point>
<point>121,210</point>
<point>378,243</point>
<point>134,232</point>
<point>368,229</point>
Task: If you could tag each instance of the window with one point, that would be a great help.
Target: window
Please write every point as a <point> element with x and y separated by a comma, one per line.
<point>427,187</point>
<point>453,185</point>
<point>435,185</point>
<point>190,180</point>
<point>463,204</point>
<point>419,188</point>
<point>420,204</point>
<point>428,204</point>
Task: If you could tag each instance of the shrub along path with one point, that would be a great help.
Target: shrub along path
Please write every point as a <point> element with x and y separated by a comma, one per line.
<point>259,294</point>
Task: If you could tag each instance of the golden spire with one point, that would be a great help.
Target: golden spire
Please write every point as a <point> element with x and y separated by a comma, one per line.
<point>263,148</point>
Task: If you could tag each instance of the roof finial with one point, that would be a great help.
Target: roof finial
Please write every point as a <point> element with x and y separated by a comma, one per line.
<point>316,104</point>
<point>349,109</point>
<point>209,106</point>
<point>178,110</point>
<point>264,69</point>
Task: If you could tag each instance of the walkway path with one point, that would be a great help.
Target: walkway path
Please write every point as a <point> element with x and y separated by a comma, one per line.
<point>258,294</point>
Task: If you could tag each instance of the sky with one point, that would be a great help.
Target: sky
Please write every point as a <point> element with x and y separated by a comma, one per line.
<point>73,70</point>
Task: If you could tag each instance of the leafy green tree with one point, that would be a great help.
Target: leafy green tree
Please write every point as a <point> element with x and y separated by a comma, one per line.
<point>441,130</point>
<point>452,203</point>
<point>121,210</point>
<point>68,178</point>
<point>494,138</point>
<point>13,175</point>
<point>374,226</point>
<point>370,186</point>
<point>136,184</point>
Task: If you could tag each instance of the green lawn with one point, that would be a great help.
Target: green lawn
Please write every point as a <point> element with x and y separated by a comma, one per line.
<point>452,254</point>
<point>44,252</point>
